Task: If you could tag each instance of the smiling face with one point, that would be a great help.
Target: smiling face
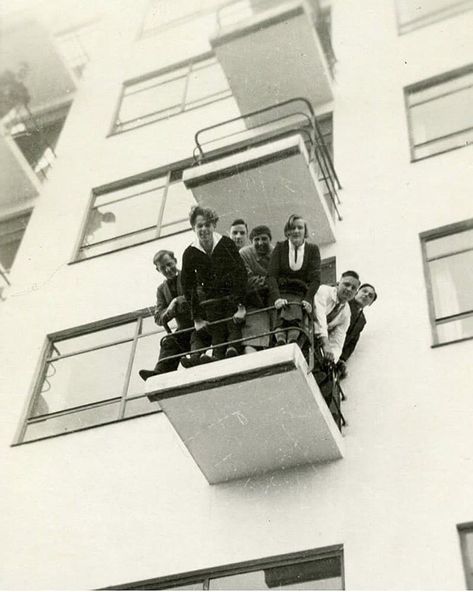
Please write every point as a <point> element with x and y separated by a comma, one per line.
<point>365,296</point>
<point>204,229</point>
<point>167,266</point>
<point>296,234</point>
<point>262,244</point>
<point>239,234</point>
<point>347,287</point>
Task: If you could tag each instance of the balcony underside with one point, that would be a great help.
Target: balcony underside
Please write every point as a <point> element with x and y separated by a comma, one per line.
<point>250,415</point>
<point>47,78</point>
<point>273,56</point>
<point>265,185</point>
<point>18,183</point>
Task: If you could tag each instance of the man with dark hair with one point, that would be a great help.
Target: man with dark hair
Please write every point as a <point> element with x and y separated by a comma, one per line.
<point>214,282</point>
<point>332,319</point>
<point>256,258</point>
<point>365,296</point>
<point>239,233</point>
<point>171,304</point>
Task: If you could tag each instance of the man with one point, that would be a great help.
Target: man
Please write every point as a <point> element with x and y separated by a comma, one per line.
<point>256,259</point>
<point>332,319</point>
<point>239,233</point>
<point>214,282</point>
<point>171,304</point>
<point>365,296</point>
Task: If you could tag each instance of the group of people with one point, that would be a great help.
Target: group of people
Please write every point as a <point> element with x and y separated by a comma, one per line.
<point>239,294</point>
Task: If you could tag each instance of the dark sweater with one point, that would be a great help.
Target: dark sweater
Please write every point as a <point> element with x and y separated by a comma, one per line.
<point>357,324</point>
<point>304,282</point>
<point>220,274</point>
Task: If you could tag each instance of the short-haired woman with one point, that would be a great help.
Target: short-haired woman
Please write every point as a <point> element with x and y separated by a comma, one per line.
<point>293,276</point>
<point>214,282</point>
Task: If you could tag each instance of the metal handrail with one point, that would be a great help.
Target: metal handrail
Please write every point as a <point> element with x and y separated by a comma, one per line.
<point>317,146</point>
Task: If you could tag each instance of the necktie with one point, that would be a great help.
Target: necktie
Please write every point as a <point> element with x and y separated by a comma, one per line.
<point>334,312</point>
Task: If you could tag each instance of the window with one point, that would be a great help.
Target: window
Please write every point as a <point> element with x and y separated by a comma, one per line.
<point>413,14</point>
<point>166,13</point>
<point>441,113</point>
<point>135,213</point>
<point>320,569</point>
<point>175,91</point>
<point>78,45</point>
<point>89,376</point>
<point>466,542</point>
<point>11,234</point>
<point>448,260</point>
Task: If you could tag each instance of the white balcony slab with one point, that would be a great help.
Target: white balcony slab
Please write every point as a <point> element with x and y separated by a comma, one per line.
<point>250,415</point>
<point>273,56</point>
<point>18,183</point>
<point>265,185</point>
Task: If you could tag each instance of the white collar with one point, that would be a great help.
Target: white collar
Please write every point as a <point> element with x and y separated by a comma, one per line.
<point>216,239</point>
<point>293,264</point>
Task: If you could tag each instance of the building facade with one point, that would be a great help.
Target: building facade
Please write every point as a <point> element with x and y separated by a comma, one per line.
<point>358,115</point>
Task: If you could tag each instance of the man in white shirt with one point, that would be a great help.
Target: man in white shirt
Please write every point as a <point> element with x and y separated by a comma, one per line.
<point>332,319</point>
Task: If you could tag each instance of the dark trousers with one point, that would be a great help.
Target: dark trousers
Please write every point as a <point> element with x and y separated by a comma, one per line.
<point>173,345</point>
<point>326,379</point>
<point>222,332</point>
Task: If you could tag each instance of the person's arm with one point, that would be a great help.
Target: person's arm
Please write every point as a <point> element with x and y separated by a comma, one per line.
<point>161,307</point>
<point>255,281</point>
<point>313,274</point>
<point>188,283</point>
<point>273,274</point>
<point>338,334</point>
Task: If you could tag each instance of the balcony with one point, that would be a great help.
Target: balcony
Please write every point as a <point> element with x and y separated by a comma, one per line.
<point>18,183</point>
<point>252,414</point>
<point>266,165</point>
<point>274,50</point>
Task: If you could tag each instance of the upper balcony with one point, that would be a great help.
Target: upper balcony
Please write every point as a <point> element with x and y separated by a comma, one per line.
<point>266,165</point>
<point>272,51</point>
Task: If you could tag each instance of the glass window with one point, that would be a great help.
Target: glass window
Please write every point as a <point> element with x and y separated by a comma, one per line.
<point>322,570</point>
<point>11,234</point>
<point>449,260</point>
<point>413,14</point>
<point>77,388</point>
<point>441,114</point>
<point>198,83</point>
<point>135,214</point>
<point>165,13</point>
<point>466,542</point>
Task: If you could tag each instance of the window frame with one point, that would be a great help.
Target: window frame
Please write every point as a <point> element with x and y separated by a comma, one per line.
<point>462,529</point>
<point>205,575</point>
<point>187,63</point>
<point>425,237</point>
<point>136,316</point>
<point>422,85</point>
<point>403,28</point>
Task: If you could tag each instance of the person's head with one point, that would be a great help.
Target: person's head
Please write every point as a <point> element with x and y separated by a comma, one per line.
<point>166,263</point>
<point>296,229</point>
<point>203,222</point>
<point>348,285</point>
<point>108,217</point>
<point>260,238</point>
<point>366,295</point>
<point>239,232</point>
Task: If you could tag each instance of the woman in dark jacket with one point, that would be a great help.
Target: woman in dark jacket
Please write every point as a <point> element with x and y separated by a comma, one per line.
<point>214,282</point>
<point>293,276</point>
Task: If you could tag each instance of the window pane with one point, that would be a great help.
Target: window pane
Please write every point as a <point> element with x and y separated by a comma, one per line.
<point>73,421</point>
<point>85,378</point>
<point>436,147</point>
<point>440,88</point>
<point>139,212</point>
<point>94,339</point>
<point>146,357</point>
<point>458,329</point>
<point>206,82</point>
<point>179,201</point>
<point>413,10</point>
<point>442,116</point>
<point>158,97</point>
<point>452,284</point>
<point>450,243</point>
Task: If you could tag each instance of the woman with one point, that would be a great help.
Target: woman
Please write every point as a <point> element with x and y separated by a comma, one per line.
<point>293,276</point>
<point>214,281</point>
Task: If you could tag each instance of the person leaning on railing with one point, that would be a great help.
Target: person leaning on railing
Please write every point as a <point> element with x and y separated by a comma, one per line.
<point>256,258</point>
<point>293,276</point>
<point>214,282</point>
<point>171,304</point>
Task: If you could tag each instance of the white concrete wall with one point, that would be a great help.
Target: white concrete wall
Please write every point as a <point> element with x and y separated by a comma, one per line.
<point>125,502</point>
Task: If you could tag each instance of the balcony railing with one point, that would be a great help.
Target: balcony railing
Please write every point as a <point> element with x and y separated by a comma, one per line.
<point>235,12</point>
<point>4,282</point>
<point>270,123</point>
